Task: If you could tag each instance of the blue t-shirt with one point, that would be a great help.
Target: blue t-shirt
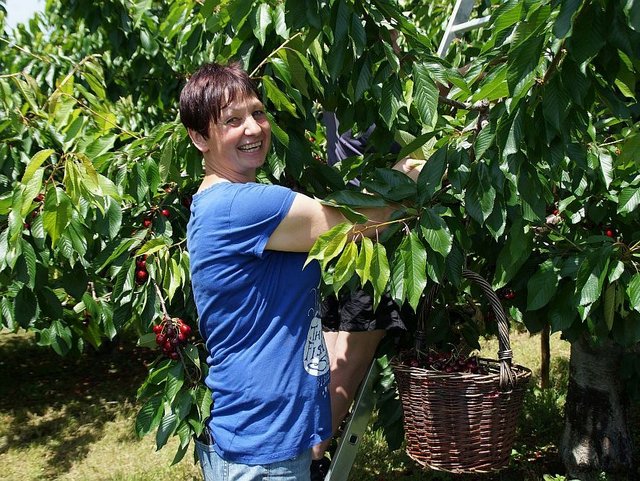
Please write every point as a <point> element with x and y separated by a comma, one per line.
<point>258,309</point>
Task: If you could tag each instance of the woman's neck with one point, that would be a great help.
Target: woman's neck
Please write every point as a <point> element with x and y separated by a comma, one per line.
<point>213,177</point>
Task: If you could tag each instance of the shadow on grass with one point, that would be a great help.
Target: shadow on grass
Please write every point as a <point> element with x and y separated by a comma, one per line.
<point>63,404</point>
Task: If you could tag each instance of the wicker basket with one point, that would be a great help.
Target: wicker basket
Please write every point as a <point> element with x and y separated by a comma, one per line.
<point>462,422</point>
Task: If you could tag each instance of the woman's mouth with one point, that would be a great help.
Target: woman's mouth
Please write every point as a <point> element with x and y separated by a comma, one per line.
<point>252,147</point>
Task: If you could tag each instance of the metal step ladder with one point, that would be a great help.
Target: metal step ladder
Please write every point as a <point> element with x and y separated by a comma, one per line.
<point>365,399</point>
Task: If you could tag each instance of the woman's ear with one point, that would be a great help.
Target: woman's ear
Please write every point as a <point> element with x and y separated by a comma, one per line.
<point>198,140</point>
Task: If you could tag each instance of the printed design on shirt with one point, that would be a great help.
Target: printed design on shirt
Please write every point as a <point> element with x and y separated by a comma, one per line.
<point>316,358</point>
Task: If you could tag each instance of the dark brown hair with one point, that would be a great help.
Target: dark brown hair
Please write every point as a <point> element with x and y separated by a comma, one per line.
<point>210,89</point>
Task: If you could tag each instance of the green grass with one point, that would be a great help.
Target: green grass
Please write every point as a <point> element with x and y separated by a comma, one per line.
<point>72,420</point>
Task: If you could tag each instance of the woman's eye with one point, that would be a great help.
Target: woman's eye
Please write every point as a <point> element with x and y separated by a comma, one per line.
<point>232,120</point>
<point>259,114</point>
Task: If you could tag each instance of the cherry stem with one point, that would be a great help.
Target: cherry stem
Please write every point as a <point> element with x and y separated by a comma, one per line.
<point>162,304</point>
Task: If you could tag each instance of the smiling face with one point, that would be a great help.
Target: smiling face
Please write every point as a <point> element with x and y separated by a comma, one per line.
<point>238,142</point>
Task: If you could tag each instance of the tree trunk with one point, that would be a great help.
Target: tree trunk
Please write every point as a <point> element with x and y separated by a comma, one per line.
<point>596,436</point>
<point>545,356</point>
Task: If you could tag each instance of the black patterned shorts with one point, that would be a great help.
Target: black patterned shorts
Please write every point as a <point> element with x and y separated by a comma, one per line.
<point>353,312</point>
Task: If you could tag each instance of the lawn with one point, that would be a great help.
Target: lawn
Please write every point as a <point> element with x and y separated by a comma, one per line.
<point>69,419</point>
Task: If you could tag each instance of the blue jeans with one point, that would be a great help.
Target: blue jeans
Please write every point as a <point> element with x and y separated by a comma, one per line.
<point>217,469</point>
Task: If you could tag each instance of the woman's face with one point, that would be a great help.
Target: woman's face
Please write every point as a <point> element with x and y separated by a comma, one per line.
<point>240,140</point>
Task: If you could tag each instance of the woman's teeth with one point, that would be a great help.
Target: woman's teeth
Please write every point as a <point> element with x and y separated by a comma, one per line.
<point>251,147</point>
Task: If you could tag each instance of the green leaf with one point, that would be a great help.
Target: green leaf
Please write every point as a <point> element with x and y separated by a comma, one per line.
<point>25,307</point>
<point>261,22</point>
<point>345,267</point>
<point>329,244</point>
<point>633,291</point>
<point>436,232</point>
<point>515,252</point>
<point>280,135</point>
<point>610,305</point>
<point>277,97</point>
<point>149,416</point>
<point>390,184</point>
<point>174,381</point>
<point>57,213</point>
<point>203,401</point>
<point>493,87</point>
<point>32,189</point>
<point>523,61</point>
<point>568,9</point>
<point>154,245</point>
<point>391,100</point>
<point>353,199</point>
<point>632,11</point>
<point>166,156</point>
<point>542,286</point>
<point>184,433</point>
<point>380,272</point>
<point>363,79</point>
<point>34,164</point>
<point>628,200</point>
<point>60,337</point>
<point>480,194</point>
<point>431,175</point>
<point>425,95</point>
<point>280,21</point>
<point>113,217</point>
<point>591,276</point>
<point>29,257</point>
<point>363,262</point>
<point>606,166</point>
<point>562,309</point>
<point>166,428</point>
<point>415,268</point>
<point>484,139</point>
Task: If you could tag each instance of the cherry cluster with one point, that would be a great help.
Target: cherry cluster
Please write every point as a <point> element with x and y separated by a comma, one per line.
<point>148,218</point>
<point>170,335</point>
<point>141,269</point>
<point>447,362</point>
<point>506,293</point>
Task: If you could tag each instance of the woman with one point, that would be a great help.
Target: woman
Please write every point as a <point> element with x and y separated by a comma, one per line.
<point>248,242</point>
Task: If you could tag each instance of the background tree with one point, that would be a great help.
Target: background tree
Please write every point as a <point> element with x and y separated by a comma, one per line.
<point>532,179</point>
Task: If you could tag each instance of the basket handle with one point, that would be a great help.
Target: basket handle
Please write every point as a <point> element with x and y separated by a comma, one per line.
<point>505,355</point>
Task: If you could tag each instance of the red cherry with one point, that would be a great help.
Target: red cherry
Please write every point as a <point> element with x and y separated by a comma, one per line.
<point>185,329</point>
<point>556,212</point>
<point>160,339</point>
<point>168,346</point>
<point>186,201</point>
<point>182,337</point>
<point>39,197</point>
<point>146,222</point>
<point>141,264</point>
<point>157,328</point>
<point>141,276</point>
<point>165,212</point>
<point>174,355</point>
<point>609,233</point>
<point>27,225</point>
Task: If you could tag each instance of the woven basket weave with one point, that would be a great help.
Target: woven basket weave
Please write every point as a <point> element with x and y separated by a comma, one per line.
<point>462,422</point>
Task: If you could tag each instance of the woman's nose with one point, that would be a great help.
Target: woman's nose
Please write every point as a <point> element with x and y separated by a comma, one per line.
<point>251,127</point>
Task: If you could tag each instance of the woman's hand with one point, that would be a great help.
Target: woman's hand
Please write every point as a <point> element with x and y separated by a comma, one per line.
<point>411,167</point>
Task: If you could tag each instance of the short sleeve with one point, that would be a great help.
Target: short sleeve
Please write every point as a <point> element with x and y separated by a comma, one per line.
<point>255,212</point>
